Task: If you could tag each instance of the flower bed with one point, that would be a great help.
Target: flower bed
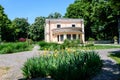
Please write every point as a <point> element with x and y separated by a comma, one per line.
<point>64,65</point>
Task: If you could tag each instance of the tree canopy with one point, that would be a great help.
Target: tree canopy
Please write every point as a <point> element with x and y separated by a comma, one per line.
<point>20,28</point>
<point>36,30</point>
<point>5,24</point>
<point>99,16</point>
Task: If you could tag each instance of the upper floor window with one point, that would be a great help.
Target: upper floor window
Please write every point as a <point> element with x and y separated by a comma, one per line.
<point>58,26</point>
<point>73,25</point>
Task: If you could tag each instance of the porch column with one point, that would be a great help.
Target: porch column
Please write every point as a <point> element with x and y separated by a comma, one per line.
<point>83,38</point>
<point>77,36</point>
<point>65,36</point>
<point>59,38</point>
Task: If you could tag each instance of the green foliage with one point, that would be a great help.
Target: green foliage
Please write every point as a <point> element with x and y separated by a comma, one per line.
<point>116,57</point>
<point>52,46</point>
<point>20,28</point>
<point>66,65</point>
<point>44,45</point>
<point>5,26</point>
<point>71,43</point>
<point>91,39</point>
<point>54,15</point>
<point>36,30</point>
<point>99,16</point>
<point>6,48</point>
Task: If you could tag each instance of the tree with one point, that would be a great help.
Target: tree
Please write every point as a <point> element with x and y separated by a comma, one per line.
<point>55,15</point>
<point>36,30</point>
<point>20,26</point>
<point>98,17</point>
<point>5,24</point>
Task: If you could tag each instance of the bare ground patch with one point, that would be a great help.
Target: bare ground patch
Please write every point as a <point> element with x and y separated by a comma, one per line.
<point>3,70</point>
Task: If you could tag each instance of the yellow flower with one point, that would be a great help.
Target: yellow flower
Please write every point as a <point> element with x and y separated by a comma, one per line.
<point>55,55</point>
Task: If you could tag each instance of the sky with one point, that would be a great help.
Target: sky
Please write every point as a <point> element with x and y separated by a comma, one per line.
<point>33,8</point>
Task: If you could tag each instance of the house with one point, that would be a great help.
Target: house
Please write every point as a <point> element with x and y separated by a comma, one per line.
<point>57,30</point>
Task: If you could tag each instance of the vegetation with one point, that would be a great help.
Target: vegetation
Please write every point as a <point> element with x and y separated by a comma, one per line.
<point>6,48</point>
<point>20,28</point>
<point>100,17</point>
<point>116,57</point>
<point>64,65</point>
<point>36,30</point>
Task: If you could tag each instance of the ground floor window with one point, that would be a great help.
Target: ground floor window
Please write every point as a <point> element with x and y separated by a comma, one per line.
<point>69,36</point>
<point>74,36</point>
<point>61,38</point>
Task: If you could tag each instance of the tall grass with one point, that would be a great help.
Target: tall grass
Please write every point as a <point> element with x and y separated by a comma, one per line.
<point>14,47</point>
<point>64,65</point>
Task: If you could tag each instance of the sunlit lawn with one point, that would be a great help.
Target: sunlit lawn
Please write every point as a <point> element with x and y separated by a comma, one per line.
<point>116,57</point>
<point>97,47</point>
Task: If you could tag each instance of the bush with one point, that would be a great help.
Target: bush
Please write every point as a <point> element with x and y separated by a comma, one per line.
<point>91,39</point>
<point>44,45</point>
<point>71,43</point>
<point>67,65</point>
<point>22,39</point>
<point>14,47</point>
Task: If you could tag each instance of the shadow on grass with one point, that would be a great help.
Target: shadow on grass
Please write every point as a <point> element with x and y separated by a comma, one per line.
<point>115,53</point>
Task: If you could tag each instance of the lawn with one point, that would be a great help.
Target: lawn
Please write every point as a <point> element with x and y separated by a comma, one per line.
<point>96,47</point>
<point>74,45</point>
<point>116,57</point>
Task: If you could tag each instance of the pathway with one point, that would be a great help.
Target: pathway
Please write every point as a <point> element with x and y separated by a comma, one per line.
<point>110,70</point>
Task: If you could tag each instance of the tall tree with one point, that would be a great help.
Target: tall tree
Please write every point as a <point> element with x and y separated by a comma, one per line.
<point>5,24</point>
<point>98,17</point>
<point>36,30</point>
<point>20,26</point>
<point>55,15</point>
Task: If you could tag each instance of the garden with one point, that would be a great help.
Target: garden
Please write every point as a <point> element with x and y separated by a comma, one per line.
<point>67,61</point>
<point>64,65</point>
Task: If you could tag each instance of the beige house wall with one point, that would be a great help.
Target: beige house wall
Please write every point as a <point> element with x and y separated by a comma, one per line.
<point>54,34</point>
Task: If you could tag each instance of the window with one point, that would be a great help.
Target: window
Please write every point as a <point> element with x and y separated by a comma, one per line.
<point>79,36</point>
<point>61,38</point>
<point>73,25</point>
<point>74,36</point>
<point>58,25</point>
<point>68,36</point>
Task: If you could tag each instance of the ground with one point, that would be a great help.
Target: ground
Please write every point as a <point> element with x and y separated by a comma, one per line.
<point>10,65</point>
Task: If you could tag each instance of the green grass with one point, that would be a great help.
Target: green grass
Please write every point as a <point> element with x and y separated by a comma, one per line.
<point>116,57</point>
<point>6,48</point>
<point>95,47</point>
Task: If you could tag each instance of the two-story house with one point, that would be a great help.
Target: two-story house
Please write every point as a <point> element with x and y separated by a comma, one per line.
<point>57,30</point>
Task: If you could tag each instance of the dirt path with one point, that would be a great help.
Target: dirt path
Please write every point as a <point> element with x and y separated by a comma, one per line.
<point>14,62</point>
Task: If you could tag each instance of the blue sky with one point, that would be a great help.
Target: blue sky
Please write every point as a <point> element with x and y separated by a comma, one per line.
<point>33,8</point>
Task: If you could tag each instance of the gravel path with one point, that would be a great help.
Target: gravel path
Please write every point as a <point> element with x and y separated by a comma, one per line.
<point>110,70</point>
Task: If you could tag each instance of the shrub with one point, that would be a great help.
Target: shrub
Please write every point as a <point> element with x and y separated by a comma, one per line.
<point>22,39</point>
<point>91,39</point>
<point>46,45</point>
<point>67,65</point>
<point>14,47</point>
